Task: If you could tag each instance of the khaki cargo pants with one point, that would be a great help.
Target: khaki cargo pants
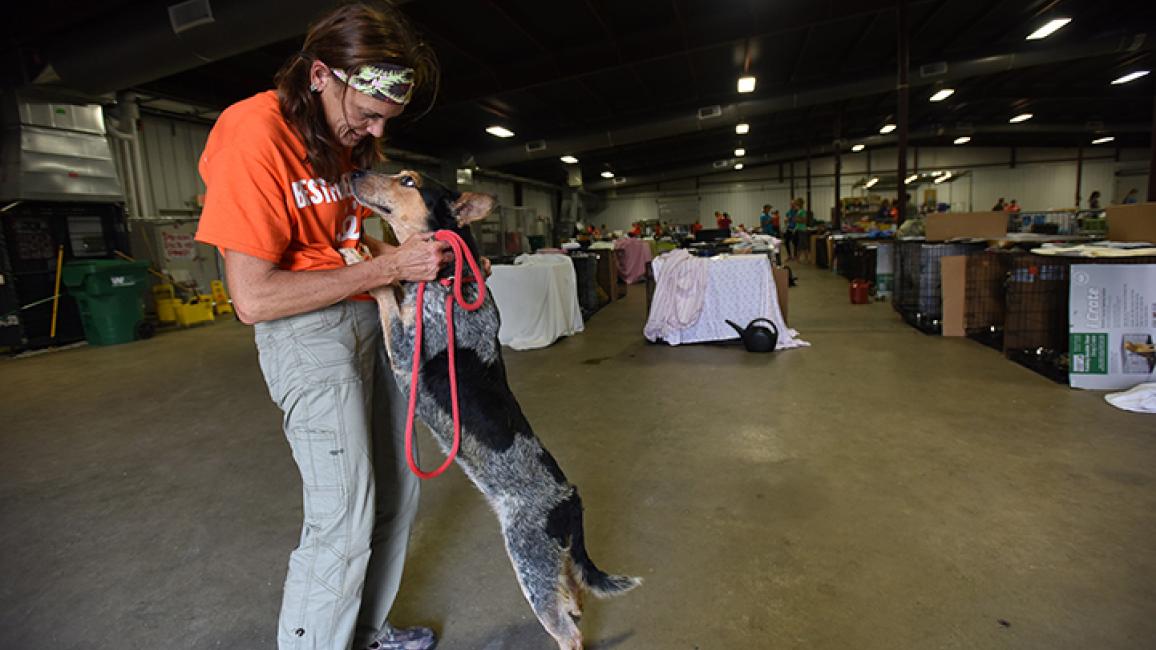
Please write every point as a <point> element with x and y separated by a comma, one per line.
<point>345,421</point>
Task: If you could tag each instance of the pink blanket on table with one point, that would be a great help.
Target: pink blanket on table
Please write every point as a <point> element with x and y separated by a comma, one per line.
<point>633,254</point>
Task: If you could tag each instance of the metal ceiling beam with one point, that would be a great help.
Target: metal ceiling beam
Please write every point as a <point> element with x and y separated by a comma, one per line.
<point>921,135</point>
<point>545,74</point>
<point>690,123</point>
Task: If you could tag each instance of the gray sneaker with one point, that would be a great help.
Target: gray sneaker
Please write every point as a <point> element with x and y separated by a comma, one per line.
<point>409,638</point>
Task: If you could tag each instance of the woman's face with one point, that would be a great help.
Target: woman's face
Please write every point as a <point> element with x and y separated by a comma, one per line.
<point>352,115</point>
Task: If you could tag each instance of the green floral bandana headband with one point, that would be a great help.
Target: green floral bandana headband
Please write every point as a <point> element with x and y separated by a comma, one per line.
<point>385,81</point>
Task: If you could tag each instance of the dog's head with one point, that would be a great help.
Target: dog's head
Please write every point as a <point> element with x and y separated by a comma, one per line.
<point>413,204</point>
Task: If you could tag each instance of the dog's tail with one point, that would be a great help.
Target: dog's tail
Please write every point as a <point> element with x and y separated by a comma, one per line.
<point>597,581</point>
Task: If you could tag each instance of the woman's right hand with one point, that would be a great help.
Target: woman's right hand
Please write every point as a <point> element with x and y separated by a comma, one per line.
<point>418,259</point>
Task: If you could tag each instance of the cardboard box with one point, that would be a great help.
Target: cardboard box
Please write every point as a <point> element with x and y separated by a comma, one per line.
<point>1135,222</point>
<point>782,279</point>
<point>953,272</point>
<point>981,225</point>
<point>1112,325</point>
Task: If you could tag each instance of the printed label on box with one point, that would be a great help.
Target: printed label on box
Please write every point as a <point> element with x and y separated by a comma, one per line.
<point>1089,354</point>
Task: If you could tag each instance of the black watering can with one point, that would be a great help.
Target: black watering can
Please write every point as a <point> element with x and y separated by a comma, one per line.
<point>757,338</point>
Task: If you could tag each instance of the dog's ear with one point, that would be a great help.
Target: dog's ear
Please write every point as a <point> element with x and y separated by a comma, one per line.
<point>473,206</point>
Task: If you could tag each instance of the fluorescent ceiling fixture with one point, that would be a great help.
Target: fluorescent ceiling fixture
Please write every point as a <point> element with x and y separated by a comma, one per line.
<point>871,183</point>
<point>887,128</point>
<point>738,166</point>
<point>742,129</point>
<point>1104,140</point>
<point>569,160</point>
<point>942,94</point>
<point>746,84</point>
<point>940,179</point>
<point>740,152</point>
<point>500,131</point>
<point>963,139</point>
<point>1131,76</point>
<point>1048,29</point>
<point>607,174</point>
<point>1022,117</point>
<point>912,178</point>
<point>859,147</point>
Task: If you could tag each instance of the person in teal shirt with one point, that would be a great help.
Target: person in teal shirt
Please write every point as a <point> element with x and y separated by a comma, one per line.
<point>766,223</point>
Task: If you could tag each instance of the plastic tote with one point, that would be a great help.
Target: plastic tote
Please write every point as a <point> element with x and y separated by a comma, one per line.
<point>110,295</point>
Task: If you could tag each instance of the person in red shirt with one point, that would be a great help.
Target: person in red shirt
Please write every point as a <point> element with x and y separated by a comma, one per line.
<point>278,206</point>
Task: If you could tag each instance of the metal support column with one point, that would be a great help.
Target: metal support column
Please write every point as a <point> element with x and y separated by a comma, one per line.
<point>837,213</point>
<point>1079,173</point>
<point>904,64</point>
<point>1152,163</point>
<point>810,205</point>
<point>792,180</point>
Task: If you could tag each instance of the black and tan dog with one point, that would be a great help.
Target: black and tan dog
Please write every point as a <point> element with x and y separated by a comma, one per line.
<point>539,510</point>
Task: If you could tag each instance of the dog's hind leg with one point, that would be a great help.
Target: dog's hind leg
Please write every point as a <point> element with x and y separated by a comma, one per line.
<point>540,565</point>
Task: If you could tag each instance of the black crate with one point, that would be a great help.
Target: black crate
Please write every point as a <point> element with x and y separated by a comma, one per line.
<point>1036,322</point>
<point>821,260</point>
<point>985,294</point>
<point>918,284</point>
<point>585,275</point>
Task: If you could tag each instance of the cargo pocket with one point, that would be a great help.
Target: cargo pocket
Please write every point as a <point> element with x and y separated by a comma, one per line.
<point>327,346</point>
<point>319,457</point>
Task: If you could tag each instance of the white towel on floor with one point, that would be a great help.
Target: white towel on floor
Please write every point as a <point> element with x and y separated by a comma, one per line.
<point>1141,398</point>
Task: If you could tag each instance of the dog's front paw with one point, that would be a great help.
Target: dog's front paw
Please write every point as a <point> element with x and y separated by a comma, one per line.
<point>354,255</point>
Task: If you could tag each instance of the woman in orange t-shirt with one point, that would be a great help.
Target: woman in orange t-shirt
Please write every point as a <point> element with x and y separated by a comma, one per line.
<point>278,206</point>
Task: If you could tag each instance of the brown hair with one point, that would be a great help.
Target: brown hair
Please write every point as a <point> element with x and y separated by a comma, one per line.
<point>348,37</point>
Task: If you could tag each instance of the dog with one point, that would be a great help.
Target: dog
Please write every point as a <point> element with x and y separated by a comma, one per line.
<point>539,510</point>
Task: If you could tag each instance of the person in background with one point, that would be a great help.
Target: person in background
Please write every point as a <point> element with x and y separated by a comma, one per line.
<point>765,221</point>
<point>884,211</point>
<point>999,205</point>
<point>1094,200</point>
<point>724,222</point>
<point>317,331</point>
<point>636,229</point>
<point>695,227</point>
<point>1132,196</point>
<point>790,236</point>
<point>1013,207</point>
<point>776,222</point>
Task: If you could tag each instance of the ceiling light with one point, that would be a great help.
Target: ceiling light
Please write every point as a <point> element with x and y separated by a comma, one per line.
<point>1048,29</point>
<point>912,178</point>
<point>738,166</point>
<point>940,179</point>
<point>871,183</point>
<point>740,152</point>
<point>1104,140</point>
<point>742,129</point>
<point>1022,117</point>
<point>619,180</point>
<point>607,174</point>
<point>963,139</point>
<point>569,160</point>
<point>887,128</point>
<point>746,84</point>
<point>1131,76</point>
<point>500,131</point>
<point>859,147</point>
<point>942,94</point>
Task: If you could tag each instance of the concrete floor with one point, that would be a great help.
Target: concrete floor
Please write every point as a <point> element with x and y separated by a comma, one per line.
<point>882,489</point>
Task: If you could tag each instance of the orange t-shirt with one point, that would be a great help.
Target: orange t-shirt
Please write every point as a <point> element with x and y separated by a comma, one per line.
<point>262,197</point>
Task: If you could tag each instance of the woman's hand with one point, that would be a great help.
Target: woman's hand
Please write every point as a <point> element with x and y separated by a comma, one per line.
<point>418,259</point>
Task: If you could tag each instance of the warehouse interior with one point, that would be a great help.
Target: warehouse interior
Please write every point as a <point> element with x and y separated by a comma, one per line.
<point>914,465</point>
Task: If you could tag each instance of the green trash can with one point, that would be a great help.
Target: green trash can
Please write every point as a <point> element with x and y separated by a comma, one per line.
<point>110,294</point>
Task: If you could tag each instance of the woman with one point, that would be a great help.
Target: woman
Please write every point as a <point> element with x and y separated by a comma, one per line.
<point>278,206</point>
<point>1094,200</point>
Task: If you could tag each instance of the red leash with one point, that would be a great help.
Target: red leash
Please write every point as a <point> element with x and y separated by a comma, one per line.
<point>461,252</point>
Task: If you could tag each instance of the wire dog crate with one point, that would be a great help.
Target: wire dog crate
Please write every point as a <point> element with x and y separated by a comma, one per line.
<point>985,306</point>
<point>918,287</point>
<point>1036,320</point>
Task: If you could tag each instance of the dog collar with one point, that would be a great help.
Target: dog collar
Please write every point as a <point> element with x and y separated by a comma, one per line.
<point>385,81</point>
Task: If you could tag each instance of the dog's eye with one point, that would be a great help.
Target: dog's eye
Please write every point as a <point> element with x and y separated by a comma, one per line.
<point>407,181</point>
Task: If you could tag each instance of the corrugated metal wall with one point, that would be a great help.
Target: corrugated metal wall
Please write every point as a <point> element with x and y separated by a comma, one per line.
<point>171,149</point>
<point>1043,179</point>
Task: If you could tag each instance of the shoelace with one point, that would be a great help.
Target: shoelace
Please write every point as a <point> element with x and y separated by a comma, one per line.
<point>462,256</point>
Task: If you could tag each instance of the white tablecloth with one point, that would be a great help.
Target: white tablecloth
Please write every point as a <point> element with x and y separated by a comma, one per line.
<point>740,288</point>
<point>537,299</point>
